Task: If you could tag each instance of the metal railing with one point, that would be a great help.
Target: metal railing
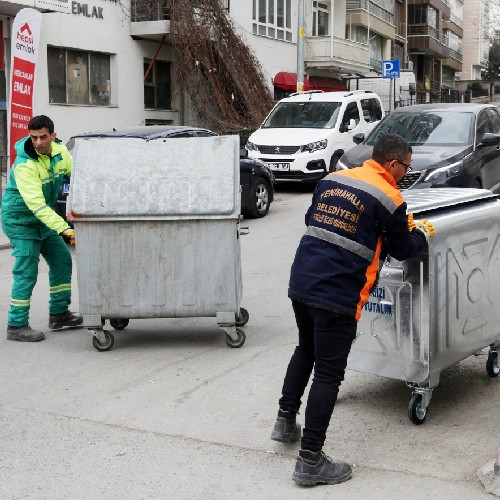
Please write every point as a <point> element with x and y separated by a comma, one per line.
<point>372,8</point>
<point>441,96</point>
<point>149,11</point>
<point>423,30</point>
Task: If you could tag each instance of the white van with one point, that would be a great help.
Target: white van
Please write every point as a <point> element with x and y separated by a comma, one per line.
<point>305,134</point>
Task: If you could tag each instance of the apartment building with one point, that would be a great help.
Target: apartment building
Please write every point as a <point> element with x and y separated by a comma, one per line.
<point>475,39</point>
<point>435,30</point>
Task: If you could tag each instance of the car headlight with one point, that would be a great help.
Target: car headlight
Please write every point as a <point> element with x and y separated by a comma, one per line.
<point>314,146</point>
<point>251,146</point>
<point>447,171</point>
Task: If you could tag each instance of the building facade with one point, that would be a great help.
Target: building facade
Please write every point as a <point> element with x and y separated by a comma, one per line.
<point>475,39</point>
<point>109,63</point>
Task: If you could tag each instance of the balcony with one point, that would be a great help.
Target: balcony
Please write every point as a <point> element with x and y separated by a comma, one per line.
<point>371,7</point>
<point>426,39</point>
<point>149,20</point>
<point>454,61</point>
<point>337,54</point>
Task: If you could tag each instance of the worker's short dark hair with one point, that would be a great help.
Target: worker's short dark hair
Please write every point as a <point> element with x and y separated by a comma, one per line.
<point>41,121</point>
<point>390,147</point>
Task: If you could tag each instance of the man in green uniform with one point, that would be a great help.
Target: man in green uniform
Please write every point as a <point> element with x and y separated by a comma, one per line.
<point>30,221</point>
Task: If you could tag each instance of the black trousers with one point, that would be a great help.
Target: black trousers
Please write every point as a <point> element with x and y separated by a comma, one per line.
<point>325,340</point>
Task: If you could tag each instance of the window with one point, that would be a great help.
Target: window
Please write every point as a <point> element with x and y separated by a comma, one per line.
<point>273,18</point>
<point>320,19</point>
<point>157,87</point>
<point>78,77</point>
<point>372,111</point>
<point>422,14</point>
<point>351,113</point>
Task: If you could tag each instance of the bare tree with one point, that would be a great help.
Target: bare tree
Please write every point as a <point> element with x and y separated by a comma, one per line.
<point>212,64</point>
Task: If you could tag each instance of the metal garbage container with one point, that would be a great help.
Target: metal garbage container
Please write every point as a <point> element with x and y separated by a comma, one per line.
<point>157,225</point>
<point>441,306</point>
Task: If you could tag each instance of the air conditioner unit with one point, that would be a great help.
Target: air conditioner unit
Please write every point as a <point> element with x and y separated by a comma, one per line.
<point>409,65</point>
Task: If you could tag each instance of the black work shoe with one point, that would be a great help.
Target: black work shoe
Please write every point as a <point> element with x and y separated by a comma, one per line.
<point>286,430</point>
<point>317,468</point>
<point>24,334</point>
<point>67,319</point>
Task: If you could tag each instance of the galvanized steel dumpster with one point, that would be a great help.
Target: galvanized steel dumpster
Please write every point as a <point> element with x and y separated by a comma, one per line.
<point>441,306</point>
<point>157,225</point>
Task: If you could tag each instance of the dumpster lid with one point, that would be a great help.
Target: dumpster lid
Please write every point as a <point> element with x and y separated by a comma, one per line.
<point>131,178</point>
<point>422,200</point>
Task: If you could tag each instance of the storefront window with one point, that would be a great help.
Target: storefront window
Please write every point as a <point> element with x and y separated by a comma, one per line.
<point>78,77</point>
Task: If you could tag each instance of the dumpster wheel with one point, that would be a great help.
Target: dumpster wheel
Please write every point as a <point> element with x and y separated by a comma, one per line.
<point>239,341</point>
<point>243,317</point>
<point>492,366</point>
<point>107,344</point>
<point>416,412</point>
<point>118,323</point>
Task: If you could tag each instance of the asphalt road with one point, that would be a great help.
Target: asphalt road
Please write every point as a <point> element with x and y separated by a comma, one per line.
<point>172,412</point>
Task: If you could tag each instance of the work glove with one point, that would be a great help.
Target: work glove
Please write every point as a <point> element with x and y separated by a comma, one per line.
<point>68,236</point>
<point>426,228</point>
<point>411,223</point>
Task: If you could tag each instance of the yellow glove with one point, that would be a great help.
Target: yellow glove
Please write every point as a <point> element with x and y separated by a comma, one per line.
<point>426,228</point>
<point>411,222</point>
<point>69,236</point>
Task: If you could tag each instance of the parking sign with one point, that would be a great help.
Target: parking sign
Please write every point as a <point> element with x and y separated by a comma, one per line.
<point>390,68</point>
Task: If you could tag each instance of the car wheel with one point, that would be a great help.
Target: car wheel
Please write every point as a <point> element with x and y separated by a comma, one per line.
<point>258,204</point>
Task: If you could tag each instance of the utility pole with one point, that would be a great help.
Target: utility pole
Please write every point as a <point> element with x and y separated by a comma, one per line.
<point>300,48</point>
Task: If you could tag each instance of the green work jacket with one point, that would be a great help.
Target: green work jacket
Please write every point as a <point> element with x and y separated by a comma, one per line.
<point>30,198</point>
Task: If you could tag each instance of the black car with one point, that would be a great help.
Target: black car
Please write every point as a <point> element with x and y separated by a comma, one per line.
<point>256,179</point>
<point>454,145</point>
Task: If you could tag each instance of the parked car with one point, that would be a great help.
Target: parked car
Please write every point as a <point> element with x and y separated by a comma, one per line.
<point>305,134</point>
<point>454,145</point>
<point>256,179</point>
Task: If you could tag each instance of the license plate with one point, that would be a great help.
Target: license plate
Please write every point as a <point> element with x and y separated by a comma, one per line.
<point>279,166</point>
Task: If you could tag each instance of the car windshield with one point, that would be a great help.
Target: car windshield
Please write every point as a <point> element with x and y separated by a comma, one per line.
<point>438,128</point>
<point>303,115</point>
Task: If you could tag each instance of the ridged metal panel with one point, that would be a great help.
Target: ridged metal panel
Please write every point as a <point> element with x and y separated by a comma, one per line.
<point>157,227</point>
<point>441,306</point>
<point>158,269</point>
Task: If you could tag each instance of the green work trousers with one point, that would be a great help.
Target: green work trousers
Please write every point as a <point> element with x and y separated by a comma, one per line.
<point>27,254</point>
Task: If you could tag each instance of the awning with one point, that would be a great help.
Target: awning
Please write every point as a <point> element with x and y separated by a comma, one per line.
<point>288,81</point>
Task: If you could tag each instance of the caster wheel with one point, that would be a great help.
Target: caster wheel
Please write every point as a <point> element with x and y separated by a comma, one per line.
<point>492,366</point>
<point>243,317</point>
<point>118,323</point>
<point>239,341</point>
<point>107,345</point>
<point>416,413</point>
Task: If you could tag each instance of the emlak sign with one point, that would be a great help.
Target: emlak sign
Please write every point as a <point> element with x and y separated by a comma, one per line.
<point>24,54</point>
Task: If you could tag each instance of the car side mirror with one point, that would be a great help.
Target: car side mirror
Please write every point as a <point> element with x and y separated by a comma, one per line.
<point>489,139</point>
<point>243,153</point>
<point>358,138</point>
